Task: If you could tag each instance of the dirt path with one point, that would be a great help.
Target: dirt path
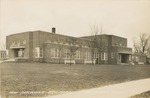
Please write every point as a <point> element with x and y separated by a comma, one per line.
<point>121,90</point>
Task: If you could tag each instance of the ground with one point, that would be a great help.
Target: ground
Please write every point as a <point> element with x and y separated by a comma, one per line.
<point>23,80</point>
<point>142,95</point>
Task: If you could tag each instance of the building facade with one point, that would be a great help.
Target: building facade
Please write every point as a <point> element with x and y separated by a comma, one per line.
<point>112,49</point>
<point>41,46</point>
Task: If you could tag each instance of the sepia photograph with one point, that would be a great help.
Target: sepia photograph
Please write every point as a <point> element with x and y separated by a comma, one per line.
<point>74,48</point>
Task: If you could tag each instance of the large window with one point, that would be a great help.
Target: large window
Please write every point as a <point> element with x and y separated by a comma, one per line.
<point>54,52</point>
<point>67,52</point>
<point>87,55</point>
<point>96,55</point>
<point>38,52</point>
<point>3,55</point>
<point>104,56</point>
<point>78,55</point>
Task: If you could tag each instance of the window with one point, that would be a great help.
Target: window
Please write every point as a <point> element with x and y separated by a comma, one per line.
<point>104,56</point>
<point>4,55</point>
<point>38,52</point>
<point>54,52</point>
<point>129,57</point>
<point>78,56</point>
<point>41,52</point>
<point>96,55</point>
<point>67,56</point>
<point>90,55</point>
<point>87,55</point>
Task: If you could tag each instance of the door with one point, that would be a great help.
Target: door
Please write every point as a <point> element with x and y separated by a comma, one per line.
<point>96,60</point>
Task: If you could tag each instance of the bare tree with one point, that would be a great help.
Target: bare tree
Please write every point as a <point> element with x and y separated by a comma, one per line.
<point>72,48</point>
<point>93,41</point>
<point>2,43</point>
<point>96,40</point>
<point>136,47</point>
<point>142,45</point>
<point>2,46</point>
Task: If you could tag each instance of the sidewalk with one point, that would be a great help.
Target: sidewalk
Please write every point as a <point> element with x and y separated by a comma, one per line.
<point>121,90</point>
<point>1,61</point>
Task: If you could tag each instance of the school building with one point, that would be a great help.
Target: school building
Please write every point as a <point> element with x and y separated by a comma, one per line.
<point>41,46</point>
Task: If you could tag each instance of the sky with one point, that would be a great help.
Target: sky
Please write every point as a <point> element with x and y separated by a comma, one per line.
<point>125,18</point>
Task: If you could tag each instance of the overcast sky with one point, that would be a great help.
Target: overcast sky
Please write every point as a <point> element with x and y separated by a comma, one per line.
<point>125,18</point>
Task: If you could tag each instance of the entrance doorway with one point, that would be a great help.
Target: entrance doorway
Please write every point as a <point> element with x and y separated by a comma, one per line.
<point>96,62</point>
<point>124,58</point>
<point>18,53</point>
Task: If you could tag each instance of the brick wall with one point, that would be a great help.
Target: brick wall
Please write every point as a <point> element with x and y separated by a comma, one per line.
<point>118,41</point>
<point>22,38</point>
<point>45,40</point>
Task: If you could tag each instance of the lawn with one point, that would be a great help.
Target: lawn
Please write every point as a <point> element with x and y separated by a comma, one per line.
<point>142,95</point>
<point>26,80</point>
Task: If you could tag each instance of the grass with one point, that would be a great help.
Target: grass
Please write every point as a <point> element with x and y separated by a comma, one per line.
<point>55,78</point>
<point>142,95</point>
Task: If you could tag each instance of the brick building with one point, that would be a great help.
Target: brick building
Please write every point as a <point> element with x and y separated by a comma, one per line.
<point>51,47</point>
<point>112,49</point>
